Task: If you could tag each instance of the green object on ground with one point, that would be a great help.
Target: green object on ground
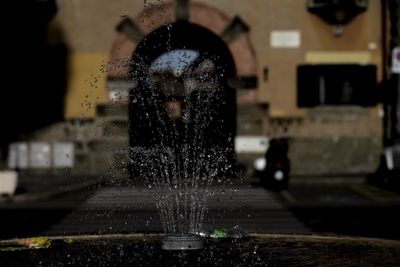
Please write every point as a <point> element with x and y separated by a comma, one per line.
<point>219,233</point>
<point>37,242</point>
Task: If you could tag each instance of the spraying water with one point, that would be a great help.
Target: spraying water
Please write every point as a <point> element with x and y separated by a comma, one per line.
<point>182,115</point>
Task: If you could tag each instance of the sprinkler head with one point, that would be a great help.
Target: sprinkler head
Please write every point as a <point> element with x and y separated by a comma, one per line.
<point>182,242</point>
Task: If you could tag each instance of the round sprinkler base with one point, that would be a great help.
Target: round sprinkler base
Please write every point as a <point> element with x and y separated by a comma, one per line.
<point>182,242</point>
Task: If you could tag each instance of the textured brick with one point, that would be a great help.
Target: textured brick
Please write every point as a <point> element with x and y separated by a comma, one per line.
<point>116,128</point>
<point>108,144</point>
<point>82,165</point>
<point>250,120</point>
<point>112,110</point>
<point>330,156</point>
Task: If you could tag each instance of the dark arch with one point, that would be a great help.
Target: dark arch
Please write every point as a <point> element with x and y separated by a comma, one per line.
<point>178,35</point>
<point>146,118</point>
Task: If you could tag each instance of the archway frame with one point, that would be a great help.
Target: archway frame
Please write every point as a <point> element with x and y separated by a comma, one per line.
<point>233,31</point>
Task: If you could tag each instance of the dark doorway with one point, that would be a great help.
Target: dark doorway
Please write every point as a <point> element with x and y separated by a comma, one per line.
<point>182,97</point>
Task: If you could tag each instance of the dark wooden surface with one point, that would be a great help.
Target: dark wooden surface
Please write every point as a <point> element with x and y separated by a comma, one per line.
<point>258,250</point>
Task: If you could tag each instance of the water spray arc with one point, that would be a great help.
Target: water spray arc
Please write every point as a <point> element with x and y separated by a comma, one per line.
<point>182,124</point>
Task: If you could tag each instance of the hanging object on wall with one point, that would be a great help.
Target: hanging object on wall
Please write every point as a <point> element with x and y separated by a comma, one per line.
<point>337,13</point>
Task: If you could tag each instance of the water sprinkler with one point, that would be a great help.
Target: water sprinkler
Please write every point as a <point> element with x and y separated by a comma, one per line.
<point>182,242</point>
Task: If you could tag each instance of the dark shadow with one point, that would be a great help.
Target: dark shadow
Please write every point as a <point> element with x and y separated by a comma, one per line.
<point>35,65</point>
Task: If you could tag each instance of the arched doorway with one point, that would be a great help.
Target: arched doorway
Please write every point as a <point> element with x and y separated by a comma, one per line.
<point>182,100</point>
<point>233,31</point>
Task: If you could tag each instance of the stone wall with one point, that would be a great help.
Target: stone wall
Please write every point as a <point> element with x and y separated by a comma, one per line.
<point>328,141</point>
<point>100,144</point>
<point>324,140</point>
<point>317,147</point>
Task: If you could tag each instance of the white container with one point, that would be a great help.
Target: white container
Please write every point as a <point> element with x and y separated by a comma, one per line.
<point>40,155</point>
<point>8,182</point>
<point>18,156</point>
<point>63,155</point>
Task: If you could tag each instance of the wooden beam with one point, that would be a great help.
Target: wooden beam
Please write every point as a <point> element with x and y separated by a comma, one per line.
<point>246,82</point>
<point>131,30</point>
<point>234,30</point>
<point>182,10</point>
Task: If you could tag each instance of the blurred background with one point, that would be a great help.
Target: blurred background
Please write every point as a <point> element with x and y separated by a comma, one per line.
<point>317,138</point>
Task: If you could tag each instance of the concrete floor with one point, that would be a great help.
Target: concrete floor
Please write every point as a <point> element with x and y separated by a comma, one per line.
<point>123,209</point>
<point>324,206</point>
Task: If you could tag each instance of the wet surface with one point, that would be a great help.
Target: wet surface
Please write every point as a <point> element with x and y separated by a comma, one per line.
<point>39,188</point>
<point>323,195</point>
<point>351,209</point>
<point>261,250</point>
<point>346,208</point>
<point>126,210</point>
